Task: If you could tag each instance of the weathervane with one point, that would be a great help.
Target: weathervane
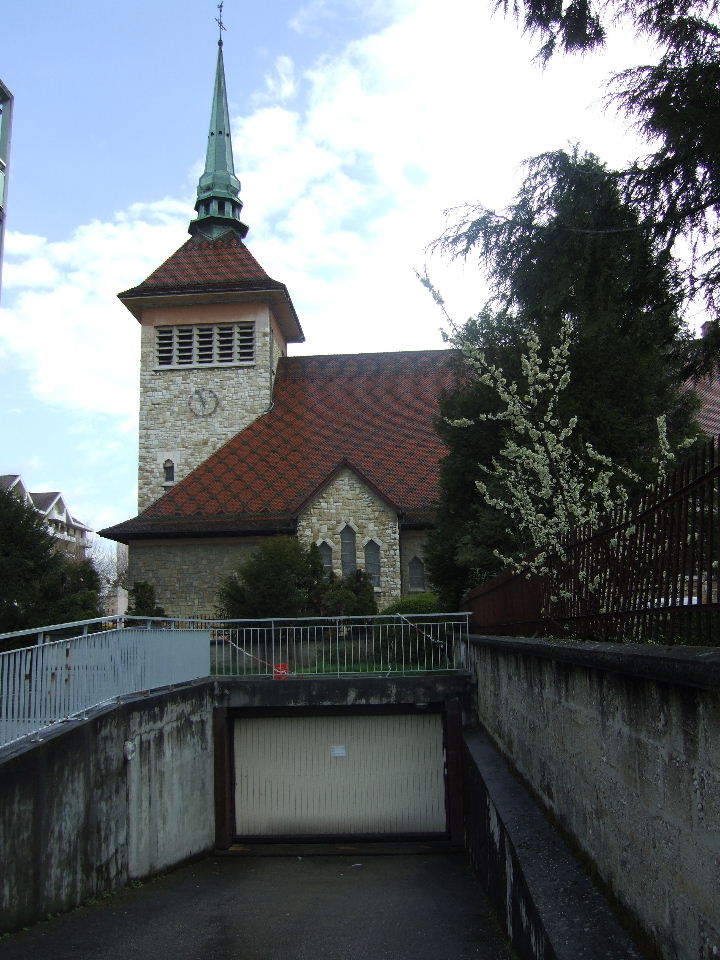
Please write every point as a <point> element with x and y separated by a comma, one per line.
<point>218,21</point>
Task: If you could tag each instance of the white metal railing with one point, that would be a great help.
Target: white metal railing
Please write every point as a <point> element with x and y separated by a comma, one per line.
<point>380,646</point>
<point>58,681</point>
<point>58,631</point>
<point>72,667</point>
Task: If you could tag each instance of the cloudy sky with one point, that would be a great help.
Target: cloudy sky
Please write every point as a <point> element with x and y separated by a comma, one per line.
<point>355,126</point>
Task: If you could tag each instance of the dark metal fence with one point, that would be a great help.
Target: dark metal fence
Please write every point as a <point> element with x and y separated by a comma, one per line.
<point>646,573</point>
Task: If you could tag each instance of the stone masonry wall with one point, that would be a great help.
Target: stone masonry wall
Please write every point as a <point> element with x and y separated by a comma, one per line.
<point>621,743</point>
<point>186,574</point>
<point>169,430</point>
<point>347,500</point>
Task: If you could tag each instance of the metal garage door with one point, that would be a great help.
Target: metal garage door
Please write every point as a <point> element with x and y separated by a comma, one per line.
<point>339,775</point>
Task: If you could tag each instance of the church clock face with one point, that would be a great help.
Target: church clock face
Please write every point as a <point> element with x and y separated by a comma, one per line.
<point>203,402</point>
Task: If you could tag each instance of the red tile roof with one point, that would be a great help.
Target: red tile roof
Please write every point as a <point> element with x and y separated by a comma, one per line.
<point>372,412</point>
<point>206,265</point>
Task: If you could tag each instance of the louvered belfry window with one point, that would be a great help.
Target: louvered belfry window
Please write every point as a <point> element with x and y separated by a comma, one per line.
<point>202,345</point>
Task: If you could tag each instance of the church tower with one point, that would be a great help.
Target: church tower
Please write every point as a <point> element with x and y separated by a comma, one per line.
<point>213,326</point>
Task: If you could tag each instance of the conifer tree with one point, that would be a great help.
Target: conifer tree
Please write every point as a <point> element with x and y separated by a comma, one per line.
<point>38,584</point>
<point>568,248</point>
<point>673,102</point>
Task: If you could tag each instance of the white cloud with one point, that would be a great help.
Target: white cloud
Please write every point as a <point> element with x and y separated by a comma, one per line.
<point>280,84</point>
<point>345,191</point>
<point>77,342</point>
<point>320,16</point>
<point>36,272</point>
<point>23,244</point>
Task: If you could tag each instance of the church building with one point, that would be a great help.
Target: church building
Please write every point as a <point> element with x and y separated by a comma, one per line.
<point>239,441</point>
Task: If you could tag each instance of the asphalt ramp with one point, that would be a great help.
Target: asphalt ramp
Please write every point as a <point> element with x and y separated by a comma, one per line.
<point>355,907</point>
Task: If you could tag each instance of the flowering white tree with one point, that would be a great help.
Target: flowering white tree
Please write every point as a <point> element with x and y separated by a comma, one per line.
<point>541,481</point>
<point>538,480</point>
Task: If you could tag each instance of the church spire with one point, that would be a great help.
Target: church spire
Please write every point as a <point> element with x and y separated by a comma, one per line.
<point>218,205</point>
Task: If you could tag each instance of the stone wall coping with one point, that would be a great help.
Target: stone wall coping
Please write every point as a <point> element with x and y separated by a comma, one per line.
<point>681,666</point>
<point>542,882</point>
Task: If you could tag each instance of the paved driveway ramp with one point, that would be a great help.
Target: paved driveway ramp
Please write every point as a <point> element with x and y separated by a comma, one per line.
<point>356,907</point>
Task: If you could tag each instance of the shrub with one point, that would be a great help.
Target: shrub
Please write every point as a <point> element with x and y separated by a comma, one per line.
<point>78,592</point>
<point>349,596</point>
<point>142,601</point>
<point>280,579</point>
<point>415,603</point>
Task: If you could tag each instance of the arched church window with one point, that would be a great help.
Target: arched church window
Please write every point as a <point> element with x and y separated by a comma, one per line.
<point>169,471</point>
<point>348,554</point>
<point>326,555</point>
<point>372,561</point>
<point>417,574</point>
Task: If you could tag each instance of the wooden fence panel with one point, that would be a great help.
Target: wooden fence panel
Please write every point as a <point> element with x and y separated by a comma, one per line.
<point>647,572</point>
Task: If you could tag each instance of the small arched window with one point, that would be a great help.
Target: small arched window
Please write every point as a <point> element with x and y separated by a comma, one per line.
<point>417,574</point>
<point>326,554</point>
<point>169,471</point>
<point>372,561</point>
<point>348,554</point>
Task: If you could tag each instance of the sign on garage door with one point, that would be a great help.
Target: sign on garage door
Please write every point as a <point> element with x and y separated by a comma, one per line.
<point>339,775</point>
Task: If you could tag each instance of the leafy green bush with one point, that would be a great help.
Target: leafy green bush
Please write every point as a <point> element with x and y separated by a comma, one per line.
<point>349,596</point>
<point>280,579</point>
<point>415,603</point>
<point>284,579</point>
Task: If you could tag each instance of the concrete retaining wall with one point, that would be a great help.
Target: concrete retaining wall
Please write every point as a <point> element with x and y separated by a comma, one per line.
<point>95,803</point>
<point>88,805</point>
<point>549,908</point>
<point>622,745</point>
